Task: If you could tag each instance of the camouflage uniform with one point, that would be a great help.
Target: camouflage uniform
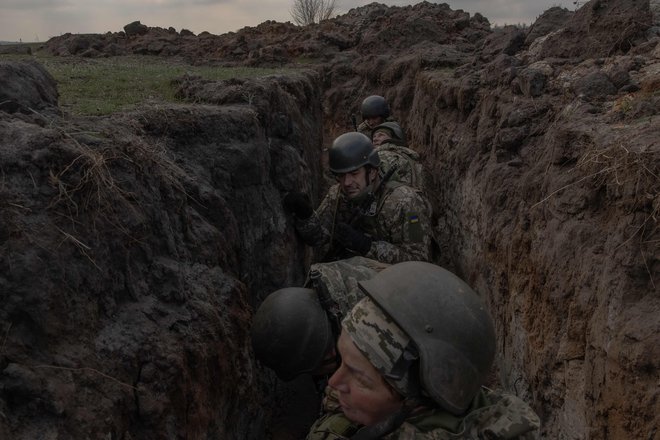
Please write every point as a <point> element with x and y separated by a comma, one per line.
<point>492,415</point>
<point>365,129</point>
<point>440,346</point>
<point>398,221</point>
<point>408,167</point>
<point>340,279</point>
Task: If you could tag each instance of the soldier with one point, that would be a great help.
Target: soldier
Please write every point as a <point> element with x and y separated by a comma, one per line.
<point>374,110</point>
<point>415,353</point>
<point>390,142</point>
<point>364,213</point>
<point>294,330</point>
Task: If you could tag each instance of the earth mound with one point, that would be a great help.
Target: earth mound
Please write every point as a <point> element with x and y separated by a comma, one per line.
<point>134,247</point>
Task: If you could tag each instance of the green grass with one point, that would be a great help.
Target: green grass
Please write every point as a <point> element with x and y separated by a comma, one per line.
<point>100,86</point>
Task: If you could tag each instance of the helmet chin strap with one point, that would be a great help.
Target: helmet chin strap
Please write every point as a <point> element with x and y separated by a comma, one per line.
<point>406,364</point>
<point>391,423</point>
<point>368,189</point>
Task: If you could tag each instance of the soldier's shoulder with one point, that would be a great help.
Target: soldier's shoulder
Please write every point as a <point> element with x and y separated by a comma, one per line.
<point>333,192</point>
<point>390,149</point>
<point>403,191</point>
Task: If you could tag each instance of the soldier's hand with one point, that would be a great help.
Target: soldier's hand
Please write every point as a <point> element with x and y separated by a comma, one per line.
<point>352,239</point>
<point>298,204</point>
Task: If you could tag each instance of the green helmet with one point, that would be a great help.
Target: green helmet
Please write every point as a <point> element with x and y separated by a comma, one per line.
<point>291,333</point>
<point>351,151</point>
<point>395,131</point>
<point>374,106</point>
<point>433,330</point>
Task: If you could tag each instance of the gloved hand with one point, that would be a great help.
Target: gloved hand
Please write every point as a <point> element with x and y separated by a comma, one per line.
<point>352,239</point>
<point>298,204</point>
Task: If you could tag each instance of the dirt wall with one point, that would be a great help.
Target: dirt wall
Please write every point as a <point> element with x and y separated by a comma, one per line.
<point>132,249</point>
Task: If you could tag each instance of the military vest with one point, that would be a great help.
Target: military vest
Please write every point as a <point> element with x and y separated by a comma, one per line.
<point>492,415</point>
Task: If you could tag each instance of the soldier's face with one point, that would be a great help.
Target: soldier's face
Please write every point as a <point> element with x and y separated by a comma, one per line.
<point>373,121</point>
<point>355,183</point>
<point>363,394</point>
<point>379,137</point>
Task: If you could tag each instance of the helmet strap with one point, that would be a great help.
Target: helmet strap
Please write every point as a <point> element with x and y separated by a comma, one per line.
<point>381,429</point>
<point>405,361</point>
<point>404,365</point>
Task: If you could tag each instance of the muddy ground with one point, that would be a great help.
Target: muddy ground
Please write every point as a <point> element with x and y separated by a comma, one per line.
<point>134,247</point>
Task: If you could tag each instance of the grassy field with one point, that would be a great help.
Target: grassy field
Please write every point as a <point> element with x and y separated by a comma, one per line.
<point>99,86</point>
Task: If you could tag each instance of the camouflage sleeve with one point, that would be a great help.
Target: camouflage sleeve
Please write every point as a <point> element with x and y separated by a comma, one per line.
<point>316,230</point>
<point>507,417</point>
<point>364,129</point>
<point>341,279</point>
<point>404,171</point>
<point>408,168</point>
<point>406,218</point>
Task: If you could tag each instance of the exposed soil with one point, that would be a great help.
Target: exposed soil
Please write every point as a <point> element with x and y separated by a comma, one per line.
<point>134,247</point>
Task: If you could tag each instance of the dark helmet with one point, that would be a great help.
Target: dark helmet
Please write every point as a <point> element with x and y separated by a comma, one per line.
<point>449,326</point>
<point>395,131</point>
<point>351,151</point>
<point>373,106</point>
<point>291,333</point>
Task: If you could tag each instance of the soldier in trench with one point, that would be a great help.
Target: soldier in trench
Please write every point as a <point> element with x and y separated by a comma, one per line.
<point>389,140</point>
<point>365,213</point>
<point>374,111</point>
<point>414,355</point>
<point>294,330</point>
<point>294,333</point>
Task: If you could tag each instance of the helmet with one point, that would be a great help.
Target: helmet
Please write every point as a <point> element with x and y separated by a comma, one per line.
<point>351,151</point>
<point>451,332</point>
<point>395,131</point>
<point>373,106</point>
<point>291,333</point>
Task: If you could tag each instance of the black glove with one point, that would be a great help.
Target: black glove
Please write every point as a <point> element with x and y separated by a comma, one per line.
<point>299,204</point>
<point>352,239</point>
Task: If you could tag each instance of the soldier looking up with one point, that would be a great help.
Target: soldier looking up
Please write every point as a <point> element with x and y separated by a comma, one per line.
<point>415,353</point>
<point>390,142</point>
<point>364,213</point>
<point>374,110</point>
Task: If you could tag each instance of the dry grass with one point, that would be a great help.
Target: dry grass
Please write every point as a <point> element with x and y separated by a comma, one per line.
<point>625,172</point>
<point>631,177</point>
<point>88,185</point>
<point>634,177</point>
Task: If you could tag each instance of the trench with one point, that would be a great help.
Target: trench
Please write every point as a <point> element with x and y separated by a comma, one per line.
<point>139,324</point>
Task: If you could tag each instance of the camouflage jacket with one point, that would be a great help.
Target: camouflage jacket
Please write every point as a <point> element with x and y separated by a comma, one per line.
<point>398,221</point>
<point>340,279</point>
<point>493,415</point>
<point>408,167</point>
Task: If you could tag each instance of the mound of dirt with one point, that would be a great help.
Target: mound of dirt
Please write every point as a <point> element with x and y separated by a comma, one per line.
<point>27,87</point>
<point>132,250</point>
<point>134,247</point>
<point>372,29</point>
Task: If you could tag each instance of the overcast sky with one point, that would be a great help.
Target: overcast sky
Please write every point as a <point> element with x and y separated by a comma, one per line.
<point>38,20</point>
